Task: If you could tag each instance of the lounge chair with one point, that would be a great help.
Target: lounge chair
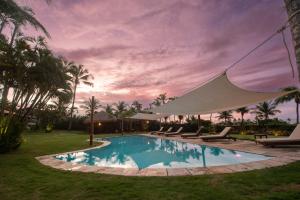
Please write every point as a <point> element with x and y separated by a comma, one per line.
<point>222,135</point>
<point>163,132</point>
<point>174,133</point>
<point>293,139</point>
<point>160,130</point>
<point>196,134</point>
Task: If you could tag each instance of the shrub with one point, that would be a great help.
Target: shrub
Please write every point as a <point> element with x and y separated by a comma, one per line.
<point>11,137</point>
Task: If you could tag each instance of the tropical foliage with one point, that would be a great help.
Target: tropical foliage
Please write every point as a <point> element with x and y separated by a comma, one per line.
<point>293,94</point>
<point>79,75</point>
<point>266,109</point>
<point>242,111</point>
<point>90,105</point>
<point>34,80</point>
<point>225,115</point>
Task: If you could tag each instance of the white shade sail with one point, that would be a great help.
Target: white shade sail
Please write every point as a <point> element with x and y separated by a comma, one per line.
<point>146,116</point>
<point>215,96</point>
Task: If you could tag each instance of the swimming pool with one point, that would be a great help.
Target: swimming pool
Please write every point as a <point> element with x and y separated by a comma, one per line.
<point>147,152</point>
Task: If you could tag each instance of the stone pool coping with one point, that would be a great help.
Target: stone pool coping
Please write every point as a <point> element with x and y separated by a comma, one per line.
<point>280,157</point>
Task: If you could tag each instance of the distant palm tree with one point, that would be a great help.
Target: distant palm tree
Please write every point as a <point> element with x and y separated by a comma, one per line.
<point>90,105</point>
<point>242,111</point>
<point>109,109</point>
<point>137,106</point>
<point>226,115</point>
<point>162,98</point>
<point>180,117</point>
<point>295,95</point>
<point>121,108</point>
<point>79,75</point>
<point>156,102</point>
<point>265,110</point>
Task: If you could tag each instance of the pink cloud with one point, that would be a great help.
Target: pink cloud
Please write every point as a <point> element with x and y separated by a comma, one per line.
<point>140,48</point>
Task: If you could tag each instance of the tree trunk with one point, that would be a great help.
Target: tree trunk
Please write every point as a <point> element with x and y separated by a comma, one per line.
<point>2,26</point>
<point>92,122</point>
<point>13,35</point>
<point>297,112</point>
<point>293,11</point>
<point>72,108</point>
<point>5,84</point>
<point>199,123</point>
<point>4,98</point>
<point>242,122</point>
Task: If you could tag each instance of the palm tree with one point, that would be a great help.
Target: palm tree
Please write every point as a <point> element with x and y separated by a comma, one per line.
<point>109,109</point>
<point>90,105</point>
<point>295,95</point>
<point>226,115</point>
<point>293,7</point>
<point>11,12</point>
<point>156,102</point>
<point>180,117</point>
<point>162,98</point>
<point>79,75</point>
<point>137,106</point>
<point>17,15</point>
<point>265,110</point>
<point>242,111</point>
<point>33,87</point>
<point>120,108</point>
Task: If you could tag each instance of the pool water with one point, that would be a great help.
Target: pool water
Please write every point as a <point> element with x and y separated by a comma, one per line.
<point>147,152</point>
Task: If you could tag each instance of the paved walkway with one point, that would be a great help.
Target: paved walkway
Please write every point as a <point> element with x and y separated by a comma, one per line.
<point>280,156</point>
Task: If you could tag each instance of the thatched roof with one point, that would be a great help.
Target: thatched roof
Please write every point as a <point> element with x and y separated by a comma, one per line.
<point>101,117</point>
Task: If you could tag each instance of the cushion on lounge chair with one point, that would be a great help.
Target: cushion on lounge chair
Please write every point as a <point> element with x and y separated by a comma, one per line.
<point>198,132</point>
<point>220,135</point>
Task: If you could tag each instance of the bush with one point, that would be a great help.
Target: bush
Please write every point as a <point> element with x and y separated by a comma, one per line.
<point>11,138</point>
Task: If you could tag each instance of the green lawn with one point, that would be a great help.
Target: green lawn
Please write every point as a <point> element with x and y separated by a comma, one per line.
<point>23,177</point>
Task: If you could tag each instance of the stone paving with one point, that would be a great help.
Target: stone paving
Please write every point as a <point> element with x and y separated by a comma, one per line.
<point>280,156</point>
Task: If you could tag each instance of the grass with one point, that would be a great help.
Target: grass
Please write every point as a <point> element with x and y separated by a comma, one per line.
<point>23,177</point>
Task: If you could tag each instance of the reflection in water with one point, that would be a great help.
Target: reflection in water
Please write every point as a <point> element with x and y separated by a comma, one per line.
<point>144,152</point>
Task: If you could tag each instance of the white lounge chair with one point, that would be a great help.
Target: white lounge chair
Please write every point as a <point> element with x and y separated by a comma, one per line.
<point>174,133</point>
<point>160,130</point>
<point>293,139</point>
<point>196,134</point>
<point>222,135</point>
<point>163,132</point>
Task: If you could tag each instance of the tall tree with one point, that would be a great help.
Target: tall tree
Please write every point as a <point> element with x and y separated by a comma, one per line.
<point>37,77</point>
<point>109,109</point>
<point>156,102</point>
<point>90,105</point>
<point>11,12</point>
<point>120,109</point>
<point>226,115</point>
<point>293,10</point>
<point>242,111</point>
<point>137,106</point>
<point>162,98</point>
<point>80,75</point>
<point>180,117</point>
<point>265,110</point>
<point>295,95</point>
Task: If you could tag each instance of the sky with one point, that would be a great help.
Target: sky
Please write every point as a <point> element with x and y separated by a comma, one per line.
<point>137,49</point>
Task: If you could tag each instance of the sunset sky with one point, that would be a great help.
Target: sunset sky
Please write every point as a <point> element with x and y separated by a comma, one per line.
<point>137,49</point>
